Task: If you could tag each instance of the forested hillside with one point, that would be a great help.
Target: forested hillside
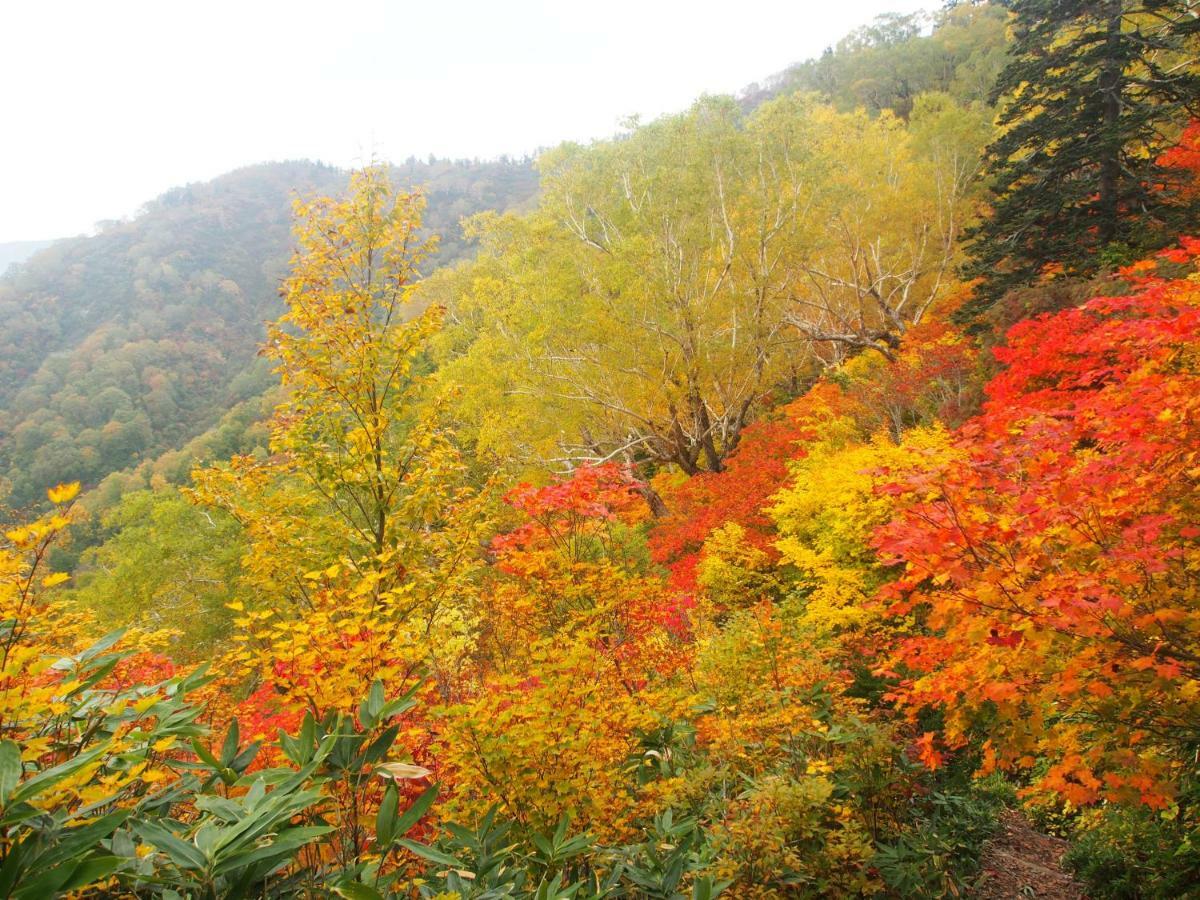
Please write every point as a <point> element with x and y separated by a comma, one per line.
<point>122,346</point>
<point>888,63</point>
<point>13,252</point>
<point>794,496</point>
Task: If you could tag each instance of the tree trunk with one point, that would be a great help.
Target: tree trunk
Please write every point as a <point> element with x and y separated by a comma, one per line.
<point>1110,147</point>
<point>658,508</point>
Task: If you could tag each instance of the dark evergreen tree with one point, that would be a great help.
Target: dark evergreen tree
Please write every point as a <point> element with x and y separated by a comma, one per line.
<point>1094,91</point>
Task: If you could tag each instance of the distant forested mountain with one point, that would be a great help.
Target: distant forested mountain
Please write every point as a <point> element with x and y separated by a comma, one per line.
<point>127,344</point>
<point>959,50</point>
<point>13,252</point>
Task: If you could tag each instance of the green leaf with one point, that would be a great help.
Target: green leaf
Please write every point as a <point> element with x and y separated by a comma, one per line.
<point>308,732</point>
<point>401,704</point>
<point>242,761</point>
<point>220,807</point>
<point>436,856</point>
<point>14,865</point>
<point>10,769</point>
<point>372,706</point>
<point>413,814</point>
<point>206,755</point>
<point>381,745</point>
<point>229,749</point>
<point>544,846</point>
<point>109,640</point>
<point>77,842</point>
<point>291,747</point>
<point>385,819</point>
<point>284,846</point>
<point>206,838</point>
<point>95,675</point>
<point>395,707</point>
<point>44,884</point>
<point>183,854</point>
<point>98,868</point>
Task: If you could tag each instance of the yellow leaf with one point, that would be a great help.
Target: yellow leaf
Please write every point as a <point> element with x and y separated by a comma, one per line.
<point>63,493</point>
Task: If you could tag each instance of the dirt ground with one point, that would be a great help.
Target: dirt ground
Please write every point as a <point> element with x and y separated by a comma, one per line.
<point>1019,862</point>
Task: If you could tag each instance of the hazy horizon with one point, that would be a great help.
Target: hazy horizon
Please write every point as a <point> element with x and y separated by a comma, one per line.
<point>120,106</point>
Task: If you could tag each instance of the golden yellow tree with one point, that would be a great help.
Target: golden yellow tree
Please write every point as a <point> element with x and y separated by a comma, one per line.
<point>668,283</point>
<point>361,522</point>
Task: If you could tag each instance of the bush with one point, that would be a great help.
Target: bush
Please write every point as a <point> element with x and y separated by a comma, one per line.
<point>1136,852</point>
<point>939,855</point>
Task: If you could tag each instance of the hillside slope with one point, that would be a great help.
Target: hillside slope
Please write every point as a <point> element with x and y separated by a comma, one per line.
<point>887,64</point>
<point>14,252</point>
<point>126,344</point>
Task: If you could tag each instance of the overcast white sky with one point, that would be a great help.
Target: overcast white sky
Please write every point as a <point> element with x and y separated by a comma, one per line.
<point>108,104</point>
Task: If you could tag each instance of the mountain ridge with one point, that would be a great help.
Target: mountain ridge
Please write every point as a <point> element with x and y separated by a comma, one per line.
<point>13,253</point>
<point>128,343</point>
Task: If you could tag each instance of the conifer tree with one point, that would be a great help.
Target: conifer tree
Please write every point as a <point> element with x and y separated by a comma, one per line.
<point>1094,92</point>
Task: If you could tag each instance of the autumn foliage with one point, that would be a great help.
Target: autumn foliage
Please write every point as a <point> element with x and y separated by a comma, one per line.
<point>1052,563</point>
<point>441,675</point>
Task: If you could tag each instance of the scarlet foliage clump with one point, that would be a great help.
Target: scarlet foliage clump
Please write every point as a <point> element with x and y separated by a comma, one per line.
<point>1185,155</point>
<point>1051,563</point>
<point>568,510</point>
<point>261,716</point>
<point>571,567</point>
<point>741,491</point>
<point>146,667</point>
